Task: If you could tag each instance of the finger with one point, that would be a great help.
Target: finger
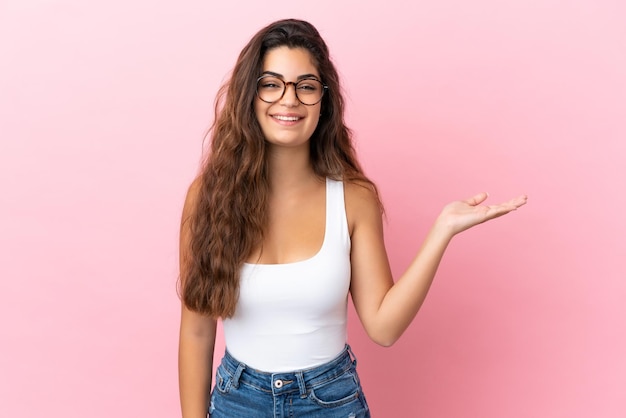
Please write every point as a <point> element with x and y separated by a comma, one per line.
<point>504,208</point>
<point>498,210</point>
<point>516,202</point>
<point>477,199</point>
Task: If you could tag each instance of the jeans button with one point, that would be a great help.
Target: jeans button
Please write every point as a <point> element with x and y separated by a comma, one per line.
<point>278,384</point>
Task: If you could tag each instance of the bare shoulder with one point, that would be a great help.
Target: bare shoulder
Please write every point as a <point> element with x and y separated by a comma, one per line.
<point>192,197</point>
<point>186,234</point>
<point>362,204</point>
<point>194,189</point>
<point>360,193</point>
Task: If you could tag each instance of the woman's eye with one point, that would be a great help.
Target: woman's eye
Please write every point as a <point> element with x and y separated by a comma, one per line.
<point>270,83</point>
<point>307,87</point>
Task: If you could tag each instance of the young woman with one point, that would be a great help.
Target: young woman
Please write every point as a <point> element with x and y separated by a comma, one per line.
<point>279,227</point>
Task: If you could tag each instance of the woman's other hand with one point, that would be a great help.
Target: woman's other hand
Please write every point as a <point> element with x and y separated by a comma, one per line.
<point>463,214</point>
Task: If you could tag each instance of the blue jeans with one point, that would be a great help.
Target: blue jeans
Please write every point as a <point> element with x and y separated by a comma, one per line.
<point>331,390</point>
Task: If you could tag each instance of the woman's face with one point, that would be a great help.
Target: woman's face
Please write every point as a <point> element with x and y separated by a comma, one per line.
<point>287,121</point>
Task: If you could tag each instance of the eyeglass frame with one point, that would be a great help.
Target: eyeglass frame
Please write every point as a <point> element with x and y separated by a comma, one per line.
<point>295,88</point>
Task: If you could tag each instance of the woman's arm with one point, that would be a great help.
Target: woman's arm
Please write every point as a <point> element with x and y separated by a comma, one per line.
<point>195,363</point>
<point>386,309</point>
<point>197,337</point>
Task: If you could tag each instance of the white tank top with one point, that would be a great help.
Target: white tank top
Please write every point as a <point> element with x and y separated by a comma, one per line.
<point>293,316</point>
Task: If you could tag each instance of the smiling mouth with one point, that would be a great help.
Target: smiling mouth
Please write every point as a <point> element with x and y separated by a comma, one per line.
<point>287,118</point>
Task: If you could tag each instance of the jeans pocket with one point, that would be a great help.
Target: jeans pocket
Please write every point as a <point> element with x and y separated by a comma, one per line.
<point>337,392</point>
<point>223,381</point>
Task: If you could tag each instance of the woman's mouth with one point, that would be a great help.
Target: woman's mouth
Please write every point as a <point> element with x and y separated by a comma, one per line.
<point>285,118</point>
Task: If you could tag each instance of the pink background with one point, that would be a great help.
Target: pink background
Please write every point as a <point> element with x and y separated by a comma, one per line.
<point>103,106</point>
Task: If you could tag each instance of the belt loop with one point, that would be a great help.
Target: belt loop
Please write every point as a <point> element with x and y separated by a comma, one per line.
<point>301,384</point>
<point>237,375</point>
<point>352,354</point>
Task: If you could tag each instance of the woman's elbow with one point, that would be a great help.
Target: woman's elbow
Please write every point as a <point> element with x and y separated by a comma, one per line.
<point>383,339</point>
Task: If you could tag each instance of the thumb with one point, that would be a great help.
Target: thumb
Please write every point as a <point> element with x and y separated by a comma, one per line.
<point>477,199</point>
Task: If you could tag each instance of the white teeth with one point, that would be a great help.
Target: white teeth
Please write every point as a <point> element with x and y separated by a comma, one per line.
<point>287,118</point>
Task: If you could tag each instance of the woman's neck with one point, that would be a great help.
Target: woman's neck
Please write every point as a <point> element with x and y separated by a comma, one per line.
<point>290,167</point>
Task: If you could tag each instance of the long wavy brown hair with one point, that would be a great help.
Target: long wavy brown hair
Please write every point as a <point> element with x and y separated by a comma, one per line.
<point>229,220</point>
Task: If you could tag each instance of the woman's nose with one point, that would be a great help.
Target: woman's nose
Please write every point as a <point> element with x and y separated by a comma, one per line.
<point>290,98</point>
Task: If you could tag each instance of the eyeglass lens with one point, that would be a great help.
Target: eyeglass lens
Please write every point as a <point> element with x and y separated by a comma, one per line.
<point>271,89</point>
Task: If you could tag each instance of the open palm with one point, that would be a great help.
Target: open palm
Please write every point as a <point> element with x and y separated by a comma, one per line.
<point>464,214</point>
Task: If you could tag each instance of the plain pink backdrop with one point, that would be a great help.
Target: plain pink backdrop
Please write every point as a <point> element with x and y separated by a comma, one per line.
<point>103,106</point>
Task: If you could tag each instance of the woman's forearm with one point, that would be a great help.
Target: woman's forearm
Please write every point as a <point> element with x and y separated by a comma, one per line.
<point>404,299</point>
<point>195,366</point>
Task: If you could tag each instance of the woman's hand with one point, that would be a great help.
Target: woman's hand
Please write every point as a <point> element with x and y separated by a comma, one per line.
<point>463,214</point>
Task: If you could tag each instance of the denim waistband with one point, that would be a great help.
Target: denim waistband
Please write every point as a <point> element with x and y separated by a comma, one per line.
<point>284,382</point>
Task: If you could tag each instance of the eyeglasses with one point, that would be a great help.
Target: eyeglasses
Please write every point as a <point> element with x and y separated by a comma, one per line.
<point>309,91</point>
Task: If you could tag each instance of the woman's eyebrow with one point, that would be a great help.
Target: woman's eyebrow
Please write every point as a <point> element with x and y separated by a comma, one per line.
<point>300,77</point>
